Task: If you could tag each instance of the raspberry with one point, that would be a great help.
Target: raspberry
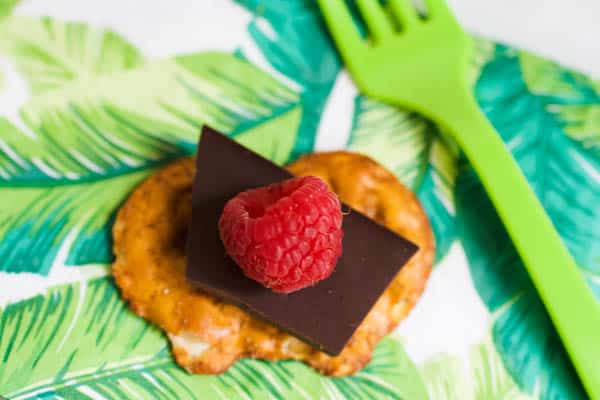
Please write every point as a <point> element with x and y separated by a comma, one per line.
<point>286,236</point>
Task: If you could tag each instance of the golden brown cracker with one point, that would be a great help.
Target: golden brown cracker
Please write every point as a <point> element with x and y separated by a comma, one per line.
<point>208,335</point>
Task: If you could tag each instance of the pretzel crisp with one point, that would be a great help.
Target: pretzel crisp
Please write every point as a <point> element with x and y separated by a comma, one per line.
<point>207,335</point>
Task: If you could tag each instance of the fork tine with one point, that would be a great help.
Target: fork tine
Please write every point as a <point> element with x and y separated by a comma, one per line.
<point>377,22</point>
<point>405,12</point>
<point>436,8</point>
<point>342,27</point>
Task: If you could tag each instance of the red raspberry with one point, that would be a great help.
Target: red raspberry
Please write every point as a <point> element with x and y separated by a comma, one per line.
<point>286,236</point>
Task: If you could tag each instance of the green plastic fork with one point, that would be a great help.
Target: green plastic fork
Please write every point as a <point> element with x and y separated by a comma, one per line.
<point>423,64</point>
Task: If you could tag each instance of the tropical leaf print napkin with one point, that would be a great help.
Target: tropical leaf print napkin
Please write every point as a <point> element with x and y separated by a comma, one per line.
<point>95,97</point>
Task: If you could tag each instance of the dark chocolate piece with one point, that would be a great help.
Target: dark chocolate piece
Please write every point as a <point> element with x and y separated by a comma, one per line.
<point>325,315</point>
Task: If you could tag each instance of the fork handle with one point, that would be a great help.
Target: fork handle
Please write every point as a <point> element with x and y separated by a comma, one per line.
<point>561,286</point>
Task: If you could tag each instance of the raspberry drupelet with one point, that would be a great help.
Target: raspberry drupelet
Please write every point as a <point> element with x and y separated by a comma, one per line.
<point>286,236</point>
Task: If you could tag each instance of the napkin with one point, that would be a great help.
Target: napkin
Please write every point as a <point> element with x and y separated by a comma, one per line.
<point>96,96</point>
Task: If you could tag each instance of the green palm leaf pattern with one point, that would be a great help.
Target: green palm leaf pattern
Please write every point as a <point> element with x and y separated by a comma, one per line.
<point>370,382</point>
<point>73,141</point>
<point>35,222</point>
<point>559,85</point>
<point>300,50</point>
<point>483,52</point>
<point>50,54</point>
<point>572,97</point>
<point>410,147</point>
<point>6,7</point>
<point>81,341</point>
<point>398,139</point>
<point>480,375</point>
<point>120,123</point>
<point>557,166</point>
<point>582,123</point>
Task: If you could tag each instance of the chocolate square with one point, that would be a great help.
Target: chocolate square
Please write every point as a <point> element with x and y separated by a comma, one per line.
<point>325,315</point>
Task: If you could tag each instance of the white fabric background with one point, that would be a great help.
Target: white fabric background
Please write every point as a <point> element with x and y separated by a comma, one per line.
<point>567,31</point>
